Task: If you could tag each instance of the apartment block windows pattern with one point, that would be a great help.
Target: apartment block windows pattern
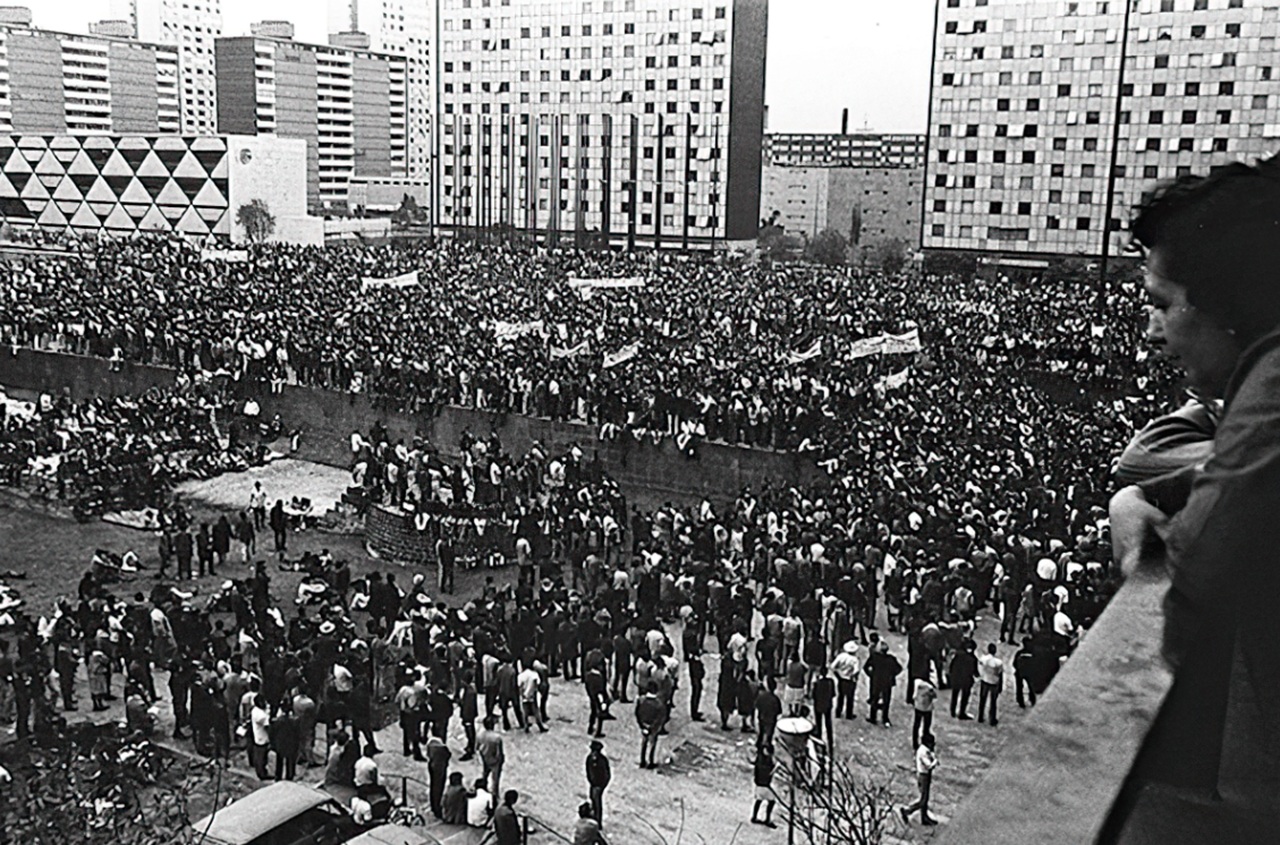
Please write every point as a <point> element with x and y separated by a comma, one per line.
<point>1198,89</point>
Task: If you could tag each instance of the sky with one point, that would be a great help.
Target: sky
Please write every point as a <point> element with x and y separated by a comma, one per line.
<point>869,56</point>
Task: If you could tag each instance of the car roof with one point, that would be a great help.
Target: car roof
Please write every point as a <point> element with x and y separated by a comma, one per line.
<point>243,821</point>
<point>394,834</point>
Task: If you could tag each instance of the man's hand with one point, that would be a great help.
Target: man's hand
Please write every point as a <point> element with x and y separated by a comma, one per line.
<point>1134,521</point>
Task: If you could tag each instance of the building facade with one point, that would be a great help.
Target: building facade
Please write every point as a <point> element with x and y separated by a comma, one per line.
<point>830,149</point>
<point>191,26</point>
<point>57,82</point>
<point>402,28</point>
<point>870,206</point>
<point>1029,100</point>
<point>347,103</point>
<point>125,184</point>
<point>632,121</point>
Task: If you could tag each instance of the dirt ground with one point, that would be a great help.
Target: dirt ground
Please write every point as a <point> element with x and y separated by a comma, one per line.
<point>706,784</point>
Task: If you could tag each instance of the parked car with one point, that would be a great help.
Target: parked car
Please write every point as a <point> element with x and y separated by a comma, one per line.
<point>283,813</point>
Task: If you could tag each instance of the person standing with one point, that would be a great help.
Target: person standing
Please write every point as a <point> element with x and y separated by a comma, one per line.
<point>599,773</point>
<point>259,736</point>
<point>922,699</point>
<point>964,671</point>
<point>883,669</point>
<point>762,771</point>
<point>621,666</point>
<point>926,762</point>
<point>697,674</point>
<point>408,705</point>
<point>768,711</point>
<point>991,681</point>
<point>204,549</point>
<point>279,527</point>
<point>528,681</point>
<point>492,756</point>
<point>598,699</point>
<point>1023,663</point>
<point>245,534</point>
<point>184,551</point>
<point>651,715</point>
<point>258,505</point>
<point>845,669</point>
<point>468,711</point>
<point>221,540</point>
<point>446,557</point>
<point>587,830</point>
<point>438,756</point>
<point>824,695</point>
<point>286,739</point>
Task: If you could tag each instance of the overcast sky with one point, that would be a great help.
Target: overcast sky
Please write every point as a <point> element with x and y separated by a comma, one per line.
<point>870,56</point>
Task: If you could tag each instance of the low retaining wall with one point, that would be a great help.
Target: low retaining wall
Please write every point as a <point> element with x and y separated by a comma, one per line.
<point>648,474</point>
<point>390,536</point>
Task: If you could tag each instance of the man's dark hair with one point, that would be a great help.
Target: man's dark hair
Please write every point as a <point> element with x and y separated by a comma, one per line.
<point>511,797</point>
<point>1219,237</point>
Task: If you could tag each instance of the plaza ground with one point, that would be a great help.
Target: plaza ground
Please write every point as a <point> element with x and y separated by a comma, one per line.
<point>707,783</point>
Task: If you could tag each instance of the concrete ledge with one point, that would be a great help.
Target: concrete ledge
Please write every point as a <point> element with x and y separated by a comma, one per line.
<point>1060,771</point>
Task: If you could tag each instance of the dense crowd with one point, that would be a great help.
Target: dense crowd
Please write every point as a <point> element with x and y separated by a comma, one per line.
<point>972,478</point>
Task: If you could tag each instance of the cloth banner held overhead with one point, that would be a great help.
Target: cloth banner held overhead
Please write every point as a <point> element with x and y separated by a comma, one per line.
<point>586,287</point>
<point>892,381</point>
<point>814,350</point>
<point>404,280</point>
<point>886,344</point>
<point>558,352</point>
<point>231,256</point>
<point>504,330</point>
<point>626,353</point>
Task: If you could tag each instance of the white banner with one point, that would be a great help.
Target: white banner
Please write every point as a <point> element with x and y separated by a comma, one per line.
<point>231,256</point>
<point>886,344</point>
<point>626,353</point>
<point>814,350</point>
<point>892,382</point>
<point>404,280</point>
<point>586,287</point>
<point>558,352</point>
<point>504,330</point>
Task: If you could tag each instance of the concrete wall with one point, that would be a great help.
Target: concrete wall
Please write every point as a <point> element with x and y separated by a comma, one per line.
<point>36,91</point>
<point>135,97</point>
<point>648,474</point>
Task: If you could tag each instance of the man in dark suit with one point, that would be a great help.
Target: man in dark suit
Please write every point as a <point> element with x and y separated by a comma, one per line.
<point>438,756</point>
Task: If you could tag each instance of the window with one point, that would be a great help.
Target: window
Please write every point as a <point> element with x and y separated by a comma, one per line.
<point>952,27</point>
<point>1228,88</point>
<point>1156,116</point>
<point>1082,224</point>
<point>968,182</point>
<point>971,131</point>
<point>1033,104</point>
<point>996,207</point>
<point>1031,130</point>
<point>998,156</point>
<point>1060,144</point>
<point>937,230</point>
<point>1224,116</point>
<point>1259,101</point>
<point>1091,117</point>
<point>940,205</point>
<point>1153,145</point>
<point>1002,104</point>
<point>1166,5</point>
<point>1085,198</point>
<point>1201,5</point>
<point>1159,89</point>
<point>1087,171</point>
<point>1197,31</point>
<point>1052,223</point>
<point>1028,156</point>
<point>1162,61</point>
<point>1057,170</point>
<point>1188,116</point>
<point>1055,196</point>
<point>1006,52</point>
<point>1024,208</point>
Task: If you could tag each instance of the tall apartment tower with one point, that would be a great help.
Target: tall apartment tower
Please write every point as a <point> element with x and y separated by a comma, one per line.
<point>402,28</point>
<point>346,102</point>
<point>630,121</point>
<point>191,26</point>
<point>58,82</point>
<point>1033,102</point>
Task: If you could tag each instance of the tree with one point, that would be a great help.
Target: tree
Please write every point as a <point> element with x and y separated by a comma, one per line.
<point>257,221</point>
<point>844,805</point>
<point>828,247</point>
<point>409,212</point>
<point>891,255</point>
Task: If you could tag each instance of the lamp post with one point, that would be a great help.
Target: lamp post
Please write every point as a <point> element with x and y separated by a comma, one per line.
<point>793,737</point>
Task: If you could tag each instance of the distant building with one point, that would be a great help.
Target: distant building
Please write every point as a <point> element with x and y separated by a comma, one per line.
<point>624,121</point>
<point>1027,97</point>
<point>191,26</point>
<point>56,82</point>
<point>822,149</point>
<point>126,184</point>
<point>347,103</point>
<point>402,28</point>
<point>870,206</point>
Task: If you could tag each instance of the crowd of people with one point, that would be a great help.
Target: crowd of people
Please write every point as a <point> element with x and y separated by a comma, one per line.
<point>954,481</point>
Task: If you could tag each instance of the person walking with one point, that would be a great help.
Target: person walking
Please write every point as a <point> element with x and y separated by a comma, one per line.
<point>926,762</point>
<point>762,772</point>
<point>598,699</point>
<point>599,773</point>
<point>991,681</point>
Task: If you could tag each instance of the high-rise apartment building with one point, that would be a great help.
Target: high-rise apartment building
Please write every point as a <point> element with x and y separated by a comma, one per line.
<point>191,26</point>
<point>402,28</point>
<point>632,121</point>
<point>57,82</point>
<point>831,149</point>
<point>1031,100</point>
<point>346,102</point>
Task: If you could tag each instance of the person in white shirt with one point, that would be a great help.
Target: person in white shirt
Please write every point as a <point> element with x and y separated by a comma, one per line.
<point>260,736</point>
<point>528,682</point>
<point>361,811</point>
<point>990,682</point>
<point>366,768</point>
<point>479,805</point>
<point>844,668</point>
<point>926,762</point>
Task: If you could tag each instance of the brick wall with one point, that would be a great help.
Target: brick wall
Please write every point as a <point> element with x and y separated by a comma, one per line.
<point>649,475</point>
